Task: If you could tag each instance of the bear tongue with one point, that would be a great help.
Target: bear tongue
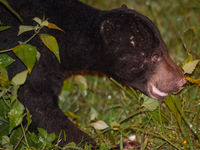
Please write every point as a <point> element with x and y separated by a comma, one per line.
<point>158,92</point>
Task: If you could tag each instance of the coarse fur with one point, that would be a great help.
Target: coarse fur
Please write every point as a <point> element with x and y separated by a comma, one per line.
<point>120,43</point>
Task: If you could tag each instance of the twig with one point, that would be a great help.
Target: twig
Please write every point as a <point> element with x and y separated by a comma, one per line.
<point>6,50</point>
<point>25,42</point>
<point>19,141</point>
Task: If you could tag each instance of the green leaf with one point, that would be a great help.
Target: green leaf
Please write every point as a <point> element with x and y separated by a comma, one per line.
<point>2,28</point>
<point>5,60</point>
<point>190,66</point>
<point>51,137</point>
<point>24,28</point>
<point>34,138</point>
<point>15,115</point>
<point>51,43</point>
<point>27,54</point>
<point>14,92</point>
<point>16,133</point>
<point>187,60</point>
<point>38,20</point>
<point>3,75</point>
<point>4,126</point>
<point>45,138</point>
<point>28,118</point>
<point>4,2</point>
<point>149,103</point>
<point>115,125</point>
<point>43,133</point>
<point>20,78</point>
<point>5,140</point>
<point>41,22</point>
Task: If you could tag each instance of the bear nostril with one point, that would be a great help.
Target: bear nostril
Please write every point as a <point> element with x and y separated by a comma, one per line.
<point>181,82</point>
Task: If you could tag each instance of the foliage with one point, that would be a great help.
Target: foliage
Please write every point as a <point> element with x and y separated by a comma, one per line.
<point>115,112</point>
<point>28,53</point>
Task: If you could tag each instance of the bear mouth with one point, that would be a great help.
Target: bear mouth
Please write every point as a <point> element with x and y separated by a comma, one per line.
<point>155,93</point>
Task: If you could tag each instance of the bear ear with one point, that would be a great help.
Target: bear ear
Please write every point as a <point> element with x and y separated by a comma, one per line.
<point>107,30</point>
<point>124,7</point>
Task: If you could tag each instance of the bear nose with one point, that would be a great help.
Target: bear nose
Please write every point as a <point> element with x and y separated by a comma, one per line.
<point>181,82</point>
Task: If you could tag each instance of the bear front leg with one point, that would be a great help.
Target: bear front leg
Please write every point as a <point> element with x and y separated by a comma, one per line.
<point>40,95</point>
<point>46,114</point>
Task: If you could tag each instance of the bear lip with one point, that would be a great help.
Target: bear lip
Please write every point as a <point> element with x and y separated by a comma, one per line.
<point>156,93</point>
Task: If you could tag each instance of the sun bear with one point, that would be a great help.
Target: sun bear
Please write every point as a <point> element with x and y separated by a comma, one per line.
<point>120,43</point>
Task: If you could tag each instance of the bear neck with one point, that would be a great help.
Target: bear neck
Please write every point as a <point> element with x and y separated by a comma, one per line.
<point>84,47</point>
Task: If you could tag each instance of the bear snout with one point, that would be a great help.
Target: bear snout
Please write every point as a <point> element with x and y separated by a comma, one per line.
<point>181,82</point>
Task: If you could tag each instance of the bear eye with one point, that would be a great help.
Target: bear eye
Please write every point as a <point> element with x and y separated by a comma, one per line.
<point>156,57</point>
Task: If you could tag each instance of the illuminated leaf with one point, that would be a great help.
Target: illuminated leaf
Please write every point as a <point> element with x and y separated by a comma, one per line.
<point>38,20</point>
<point>190,66</point>
<point>47,24</point>
<point>20,78</point>
<point>53,26</point>
<point>51,43</point>
<point>41,22</point>
<point>27,54</point>
<point>15,115</point>
<point>23,29</point>
<point>187,60</point>
<point>5,60</point>
<point>2,28</point>
<point>149,103</point>
<point>5,140</point>
<point>100,125</point>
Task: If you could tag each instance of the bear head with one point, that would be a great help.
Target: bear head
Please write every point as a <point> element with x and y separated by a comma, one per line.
<point>138,57</point>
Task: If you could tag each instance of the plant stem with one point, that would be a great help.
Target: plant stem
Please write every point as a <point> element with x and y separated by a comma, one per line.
<point>25,42</point>
<point>24,133</point>
<point>36,33</point>
<point>19,141</point>
<point>131,115</point>
<point>7,50</point>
